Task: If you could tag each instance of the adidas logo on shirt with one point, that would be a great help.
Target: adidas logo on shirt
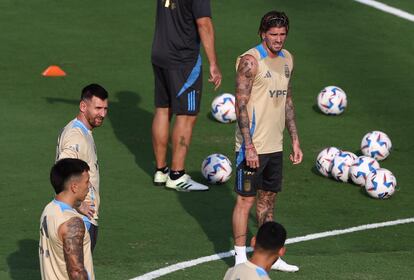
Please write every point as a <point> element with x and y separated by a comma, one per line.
<point>268,75</point>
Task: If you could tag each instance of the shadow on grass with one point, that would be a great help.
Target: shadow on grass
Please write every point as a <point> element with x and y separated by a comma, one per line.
<point>24,263</point>
<point>213,211</point>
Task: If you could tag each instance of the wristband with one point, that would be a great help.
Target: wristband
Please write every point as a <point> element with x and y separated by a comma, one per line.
<point>250,146</point>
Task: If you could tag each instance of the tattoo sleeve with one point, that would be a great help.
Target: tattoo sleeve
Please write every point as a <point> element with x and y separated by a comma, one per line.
<point>290,115</point>
<point>73,248</point>
<point>244,83</point>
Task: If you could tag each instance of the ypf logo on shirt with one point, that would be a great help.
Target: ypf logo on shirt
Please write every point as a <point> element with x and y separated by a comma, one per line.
<point>277,93</point>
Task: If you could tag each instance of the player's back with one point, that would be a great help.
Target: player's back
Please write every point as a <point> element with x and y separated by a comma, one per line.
<point>176,40</point>
<point>246,271</point>
<point>51,256</point>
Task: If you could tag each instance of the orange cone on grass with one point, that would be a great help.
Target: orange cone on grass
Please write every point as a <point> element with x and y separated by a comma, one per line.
<point>53,71</point>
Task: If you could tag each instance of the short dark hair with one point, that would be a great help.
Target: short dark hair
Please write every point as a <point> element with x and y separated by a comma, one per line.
<point>64,170</point>
<point>271,236</point>
<point>94,90</point>
<point>273,19</point>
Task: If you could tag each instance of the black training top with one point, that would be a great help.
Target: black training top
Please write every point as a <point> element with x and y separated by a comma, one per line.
<point>176,40</point>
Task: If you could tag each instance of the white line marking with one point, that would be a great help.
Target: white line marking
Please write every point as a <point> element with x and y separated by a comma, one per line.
<point>182,265</point>
<point>387,9</point>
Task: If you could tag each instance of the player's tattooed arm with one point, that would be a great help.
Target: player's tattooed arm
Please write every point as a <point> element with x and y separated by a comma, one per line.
<point>297,155</point>
<point>246,73</point>
<point>72,233</point>
<point>265,206</point>
<point>290,115</point>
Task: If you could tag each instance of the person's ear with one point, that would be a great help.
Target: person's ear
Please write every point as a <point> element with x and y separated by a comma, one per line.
<point>282,251</point>
<point>74,187</point>
<point>82,106</point>
<point>253,242</point>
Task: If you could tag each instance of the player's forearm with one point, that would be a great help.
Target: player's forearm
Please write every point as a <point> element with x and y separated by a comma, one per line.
<point>206,31</point>
<point>290,120</point>
<point>78,275</point>
<point>243,122</point>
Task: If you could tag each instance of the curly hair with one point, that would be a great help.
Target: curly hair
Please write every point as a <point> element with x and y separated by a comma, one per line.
<point>273,19</point>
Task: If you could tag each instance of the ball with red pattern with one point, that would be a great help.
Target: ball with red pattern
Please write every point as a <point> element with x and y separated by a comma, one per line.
<point>324,160</point>
<point>223,108</point>
<point>341,164</point>
<point>376,144</point>
<point>332,100</point>
<point>360,169</point>
<point>380,184</point>
<point>216,168</point>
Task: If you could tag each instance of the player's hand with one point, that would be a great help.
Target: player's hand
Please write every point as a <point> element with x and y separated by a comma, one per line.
<point>296,156</point>
<point>87,209</point>
<point>252,159</point>
<point>215,76</point>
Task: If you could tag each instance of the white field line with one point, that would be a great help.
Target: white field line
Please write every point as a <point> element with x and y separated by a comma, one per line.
<point>182,265</point>
<point>388,9</point>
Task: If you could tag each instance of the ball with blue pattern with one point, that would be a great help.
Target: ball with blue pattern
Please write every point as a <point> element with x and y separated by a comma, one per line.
<point>381,184</point>
<point>223,108</point>
<point>376,144</point>
<point>216,168</point>
<point>332,100</point>
<point>360,169</point>
<point>341,165</point>
<point>324,160</point>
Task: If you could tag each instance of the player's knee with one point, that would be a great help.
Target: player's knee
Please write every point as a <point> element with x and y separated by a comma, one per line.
<point>245,202</point>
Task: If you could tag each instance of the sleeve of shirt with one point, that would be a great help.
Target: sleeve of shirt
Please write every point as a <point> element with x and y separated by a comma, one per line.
<point>201,8</point>
<point>73,146</point>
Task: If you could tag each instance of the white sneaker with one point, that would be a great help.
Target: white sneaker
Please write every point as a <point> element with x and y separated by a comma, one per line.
<point>281,265</point>
<point>160,178</point>
<point>185,184</point>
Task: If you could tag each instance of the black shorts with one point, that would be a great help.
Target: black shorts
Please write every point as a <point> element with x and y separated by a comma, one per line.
<point>179,89</point>
<point>268,177</point>
<point>93,233</point>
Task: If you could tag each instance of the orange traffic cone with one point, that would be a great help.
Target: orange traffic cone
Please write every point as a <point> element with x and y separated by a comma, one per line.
<point>53,71</point>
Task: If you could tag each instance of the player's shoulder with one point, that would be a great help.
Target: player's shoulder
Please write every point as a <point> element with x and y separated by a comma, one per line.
<point>286,54</point>
<point>75,128</point>
<point>252,56</point>
<point>255,52</point>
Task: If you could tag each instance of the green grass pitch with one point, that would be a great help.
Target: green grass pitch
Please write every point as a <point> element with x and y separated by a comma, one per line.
<point>366,52</point>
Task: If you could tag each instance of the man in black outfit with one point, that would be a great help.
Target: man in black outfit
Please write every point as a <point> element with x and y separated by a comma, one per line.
<point>180,27</point>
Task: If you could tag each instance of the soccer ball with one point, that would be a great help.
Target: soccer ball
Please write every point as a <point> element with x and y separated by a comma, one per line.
<point>380,184</point>
<point>376,144</point>
<point>324,160</point>
<point>360,169</point>
<point>223,108</point>
<point>341,164</point>
<point>332,100</point>
<point>216,168</point>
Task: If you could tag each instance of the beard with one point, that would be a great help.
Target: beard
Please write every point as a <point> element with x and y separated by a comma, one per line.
<point>95,121</point>
<point>273,49</point>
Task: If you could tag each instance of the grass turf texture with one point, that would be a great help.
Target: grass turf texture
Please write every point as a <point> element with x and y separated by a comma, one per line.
<point>366,52</point>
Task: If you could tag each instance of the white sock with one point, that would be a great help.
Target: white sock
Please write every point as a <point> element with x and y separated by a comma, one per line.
<point>240,254</point>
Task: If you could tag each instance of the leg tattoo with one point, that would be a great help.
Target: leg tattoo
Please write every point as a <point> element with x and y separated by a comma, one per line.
<point>265,206</point>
